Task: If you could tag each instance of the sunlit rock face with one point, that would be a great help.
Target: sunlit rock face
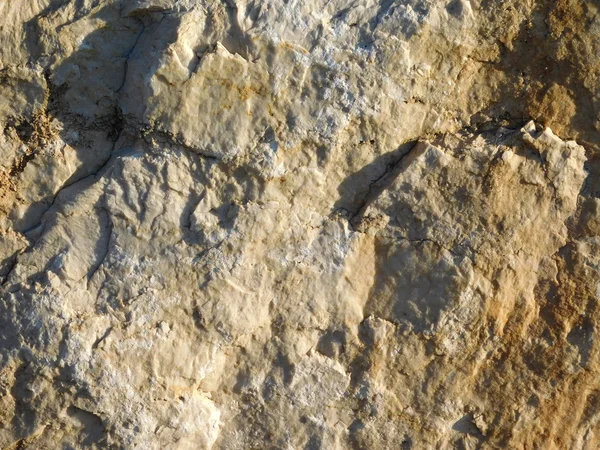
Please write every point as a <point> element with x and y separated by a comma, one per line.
<point>299,225</point>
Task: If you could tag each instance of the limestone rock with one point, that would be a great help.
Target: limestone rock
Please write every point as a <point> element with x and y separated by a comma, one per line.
<point>299,225</point>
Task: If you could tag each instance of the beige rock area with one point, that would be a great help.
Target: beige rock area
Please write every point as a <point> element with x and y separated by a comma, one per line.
<point>299,225</point>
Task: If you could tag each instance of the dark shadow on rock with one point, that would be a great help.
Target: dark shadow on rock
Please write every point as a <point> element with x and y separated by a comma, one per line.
<point>243,380</point>
<point>185,220</point>
<point>362,186</point>
<point>332,343</point>
<point>287,368</point>
<point>582,338</point>
<point>26,413</point>
<point>455,8</point>
<point>93,430</point>
<point>237,40</point>
<point>314,443</point>
<point>32,30</point>
<point>414,283</point>
<point>104,242</point>
<point>466,425</point>
<point>591,186</point>
<point>89,114</point>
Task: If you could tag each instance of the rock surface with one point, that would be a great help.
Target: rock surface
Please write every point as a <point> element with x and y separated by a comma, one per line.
<point>239,224</point>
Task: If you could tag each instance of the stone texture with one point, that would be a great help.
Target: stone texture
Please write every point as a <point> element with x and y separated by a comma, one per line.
<point>310,225</point>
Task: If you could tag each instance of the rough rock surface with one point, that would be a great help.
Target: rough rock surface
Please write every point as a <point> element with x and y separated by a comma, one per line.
<point>282,224</point>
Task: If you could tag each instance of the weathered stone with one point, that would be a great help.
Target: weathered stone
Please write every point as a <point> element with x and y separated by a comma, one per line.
<point>299,225</point>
